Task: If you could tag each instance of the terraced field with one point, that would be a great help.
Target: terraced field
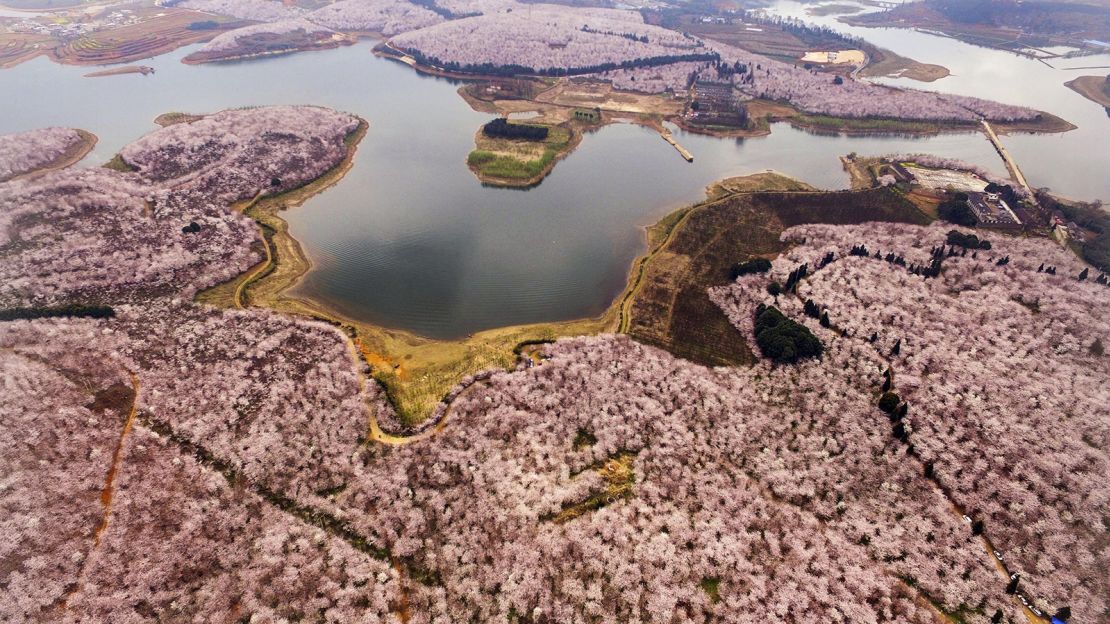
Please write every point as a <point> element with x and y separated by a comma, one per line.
<point>166,30</point>
<point>18,47</point>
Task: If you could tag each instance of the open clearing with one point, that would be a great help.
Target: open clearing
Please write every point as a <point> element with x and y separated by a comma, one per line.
<point>884,63</point>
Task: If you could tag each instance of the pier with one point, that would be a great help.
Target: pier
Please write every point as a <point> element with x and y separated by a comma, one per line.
<point>666,134</point>
<point>1011,165</point>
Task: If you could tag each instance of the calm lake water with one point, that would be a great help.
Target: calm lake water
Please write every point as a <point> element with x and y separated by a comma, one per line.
<point>410,239</point>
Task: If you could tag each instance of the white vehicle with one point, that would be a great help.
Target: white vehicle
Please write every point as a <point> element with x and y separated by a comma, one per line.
<point>967,519</point>
<point>998,555</point>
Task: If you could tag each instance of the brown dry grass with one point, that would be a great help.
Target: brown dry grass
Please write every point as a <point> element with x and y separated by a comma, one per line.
<point>670,306</point>
<point>16,48</point>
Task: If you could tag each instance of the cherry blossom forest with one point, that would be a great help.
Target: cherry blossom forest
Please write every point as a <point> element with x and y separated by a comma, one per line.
<point>508,37</point>
<point>162,226</point>
<point>27,151</point>
<point>165,460</point>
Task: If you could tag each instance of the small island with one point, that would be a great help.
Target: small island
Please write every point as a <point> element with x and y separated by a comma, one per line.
<point>520,154</point>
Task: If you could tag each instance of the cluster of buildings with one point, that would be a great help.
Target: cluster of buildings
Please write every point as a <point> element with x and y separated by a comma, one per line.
<point>989,208</point>
<point>716,103</point>
<point>992,211</point>
<point>73,24</point>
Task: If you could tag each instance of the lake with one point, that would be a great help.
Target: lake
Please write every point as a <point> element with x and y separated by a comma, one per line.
<point>411,240</point>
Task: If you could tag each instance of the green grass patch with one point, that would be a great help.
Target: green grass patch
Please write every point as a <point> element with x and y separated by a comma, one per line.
<point>871,125</point>
<point>119,164</point>
<point>583,439</point>
<point>499,166</point>
<point>494,157</point>
<point>711,585</point>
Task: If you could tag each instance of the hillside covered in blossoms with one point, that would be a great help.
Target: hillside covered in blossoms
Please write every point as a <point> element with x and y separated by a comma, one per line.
<point>880,401</point>
<point>942,455</point>
<point>498,38</point>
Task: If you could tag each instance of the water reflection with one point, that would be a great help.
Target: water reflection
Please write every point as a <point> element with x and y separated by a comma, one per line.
<point>410,239</point>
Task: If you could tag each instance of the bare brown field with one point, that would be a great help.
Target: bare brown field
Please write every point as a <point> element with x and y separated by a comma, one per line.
<point>769,40</point>
<point>669,305</point>
<point>766,181</point>
<point>1094,88</point>
<point>579,93</point>
<point>1048,123</point>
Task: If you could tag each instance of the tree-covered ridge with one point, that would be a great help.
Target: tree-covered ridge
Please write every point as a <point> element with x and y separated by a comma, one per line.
<point>969,346</point>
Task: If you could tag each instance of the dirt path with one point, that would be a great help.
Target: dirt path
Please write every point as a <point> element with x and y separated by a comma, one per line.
<point>110,481</point>
<point>107,492</point>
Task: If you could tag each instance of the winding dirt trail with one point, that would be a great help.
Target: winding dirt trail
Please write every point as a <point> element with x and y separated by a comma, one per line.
<point>107,492</point>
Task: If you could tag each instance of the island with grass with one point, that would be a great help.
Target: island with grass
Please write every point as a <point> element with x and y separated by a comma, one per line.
<point>519,153</point>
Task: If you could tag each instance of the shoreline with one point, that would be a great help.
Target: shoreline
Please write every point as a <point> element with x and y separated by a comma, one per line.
<point>330,44</point>
<point>388,352</point>
<point>419,375</point>
<point>71,156</point>
<point>767,111</point>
